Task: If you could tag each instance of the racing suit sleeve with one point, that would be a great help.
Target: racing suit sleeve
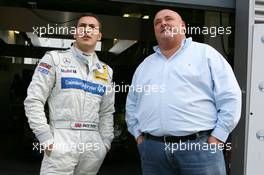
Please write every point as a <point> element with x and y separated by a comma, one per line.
<point>38,91</point>
<point>227,95</point>
<point>106,114</point>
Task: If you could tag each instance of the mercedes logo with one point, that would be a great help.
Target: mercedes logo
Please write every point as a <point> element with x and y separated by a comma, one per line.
<point>67,60</point>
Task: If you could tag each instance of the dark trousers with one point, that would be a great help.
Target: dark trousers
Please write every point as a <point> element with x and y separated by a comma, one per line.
<point>195,157</point>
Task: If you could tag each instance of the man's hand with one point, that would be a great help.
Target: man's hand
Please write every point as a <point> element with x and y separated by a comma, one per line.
<point>49,149</point>
<point>213,140</point>
<point>140,139</point>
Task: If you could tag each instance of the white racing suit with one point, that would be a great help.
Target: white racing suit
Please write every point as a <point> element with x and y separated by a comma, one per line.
<point>78,89</point>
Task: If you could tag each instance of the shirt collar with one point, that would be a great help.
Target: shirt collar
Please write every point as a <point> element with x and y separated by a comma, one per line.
<point>185,43</point>
<point>91,59</point>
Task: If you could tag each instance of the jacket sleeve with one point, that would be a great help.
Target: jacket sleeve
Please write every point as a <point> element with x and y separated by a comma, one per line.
<point>131,104</point>
<point>106,111</point>
<point>38,91</point>
<point>227,95</point>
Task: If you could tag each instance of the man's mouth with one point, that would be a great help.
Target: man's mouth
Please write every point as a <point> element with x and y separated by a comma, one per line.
<point>164,29</point>
<point>86,37</point>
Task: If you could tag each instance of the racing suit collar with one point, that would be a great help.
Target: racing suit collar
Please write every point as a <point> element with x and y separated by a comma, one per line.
<point>91,60</point>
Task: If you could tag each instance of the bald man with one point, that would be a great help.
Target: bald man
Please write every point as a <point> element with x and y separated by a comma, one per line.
<point>192,103</point>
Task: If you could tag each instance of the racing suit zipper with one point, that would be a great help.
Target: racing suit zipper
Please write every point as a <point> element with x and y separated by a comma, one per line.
<point>85,93</point>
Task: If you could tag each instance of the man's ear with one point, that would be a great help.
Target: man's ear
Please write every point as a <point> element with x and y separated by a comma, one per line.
<point>183,24</point>
<point>99,36</point>
<point>183,27</point>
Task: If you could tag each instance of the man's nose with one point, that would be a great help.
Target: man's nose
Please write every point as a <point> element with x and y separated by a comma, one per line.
<point>163,23</point>
<point>88,29</point>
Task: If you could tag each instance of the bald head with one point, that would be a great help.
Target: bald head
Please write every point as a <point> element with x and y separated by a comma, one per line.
<point>169,12</point>
<point>168,26</point>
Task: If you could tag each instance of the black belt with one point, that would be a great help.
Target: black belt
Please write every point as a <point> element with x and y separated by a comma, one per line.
<point>177,139</point>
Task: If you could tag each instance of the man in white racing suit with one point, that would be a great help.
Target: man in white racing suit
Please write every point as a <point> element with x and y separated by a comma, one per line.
<point>78,89</point>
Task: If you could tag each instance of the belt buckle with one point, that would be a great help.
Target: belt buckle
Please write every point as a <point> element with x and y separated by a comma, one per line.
<point>83,126</point>
<point>197,135</point>
<point>76,125</point>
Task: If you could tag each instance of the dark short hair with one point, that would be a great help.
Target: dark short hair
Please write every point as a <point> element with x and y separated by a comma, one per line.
<point>89,15</point>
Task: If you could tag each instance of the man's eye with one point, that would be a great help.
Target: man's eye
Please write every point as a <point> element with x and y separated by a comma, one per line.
<point>169,19</point>
<point>81,29</point>
<point>92,26</point>
<point>82,25</point>
<point>157,22</point>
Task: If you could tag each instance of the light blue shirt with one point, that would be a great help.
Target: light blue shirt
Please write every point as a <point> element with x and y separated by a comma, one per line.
<point>194,90</point>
